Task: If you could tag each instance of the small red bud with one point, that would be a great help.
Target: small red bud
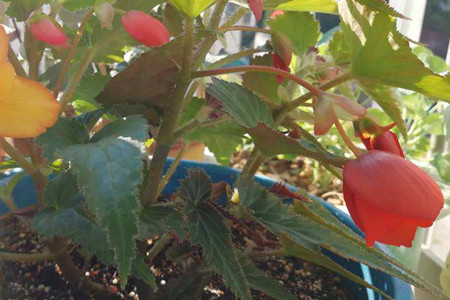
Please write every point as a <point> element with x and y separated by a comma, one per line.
<point>47,30</point>
<point>145,29</point>
<point>257,8</point>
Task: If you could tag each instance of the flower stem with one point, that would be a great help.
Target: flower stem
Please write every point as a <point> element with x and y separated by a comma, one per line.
<point>171,169</point>
<point>233,57</point>
<point>16,63</point>
<point>65,99</point>
<point>265,69</point>
<point>347,139</point>
<point>235,17</point>
<point>165,139</point>
<point>245,28</point>
<point>26,257</point>
<point>18,158</point>
<point>73,47</point>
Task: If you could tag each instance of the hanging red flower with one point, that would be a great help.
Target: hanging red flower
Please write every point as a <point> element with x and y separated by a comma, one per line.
<point>145,29</point>
<point>388,197</point>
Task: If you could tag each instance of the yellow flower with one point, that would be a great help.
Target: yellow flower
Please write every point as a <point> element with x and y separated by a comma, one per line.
<point>27,107</point>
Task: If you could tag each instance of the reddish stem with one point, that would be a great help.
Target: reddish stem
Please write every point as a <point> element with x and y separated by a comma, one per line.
<point>264,69</point>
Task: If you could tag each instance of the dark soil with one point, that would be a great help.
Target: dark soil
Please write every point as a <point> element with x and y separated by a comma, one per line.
<point>44,280</point>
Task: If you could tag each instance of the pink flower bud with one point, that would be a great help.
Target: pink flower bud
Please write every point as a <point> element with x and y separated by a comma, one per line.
<point>105,14</point>
<point>145,29</point>
<point>47,30</point>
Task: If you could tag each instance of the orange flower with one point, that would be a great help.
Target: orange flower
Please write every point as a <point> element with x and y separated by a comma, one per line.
<point>27,107</point>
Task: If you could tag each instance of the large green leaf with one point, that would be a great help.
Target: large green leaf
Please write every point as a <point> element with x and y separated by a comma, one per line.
<point>70,224</point>
<point>108,171</point>
<point>62,192</point>
<point>289,24</point>
<point>311,231</point>
<point>22,9</point>
<point>380,54</point>
<point>272,142</point>
<point>65,133</point>
<point>207,228</point>
<point>381,6</point>
<point>192,8</point>
<point>244,106</point>
<point>260,281</point>
<point>323,6</point>
<point>148,80</point>
<point>156,220</point>
<point>262,84</point>
<point>221,139</point>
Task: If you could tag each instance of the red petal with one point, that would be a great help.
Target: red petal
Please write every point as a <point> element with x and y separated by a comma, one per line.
<point>257,8</point>
<point>45,30</point>
<point>387,141</point>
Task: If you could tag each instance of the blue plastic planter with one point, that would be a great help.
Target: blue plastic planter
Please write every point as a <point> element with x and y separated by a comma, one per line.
<point>24,195</point>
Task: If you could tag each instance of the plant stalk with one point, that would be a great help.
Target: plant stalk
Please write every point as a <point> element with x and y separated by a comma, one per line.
<point>245,28</point>
<point>65,99</point>
<point>171,169</point>
<point>26,257</point>
<point>347,139</point>
<point>73,47</point>
<point>165,139</point>
<point>265,69</point>
<point>18,158</point>
<point>20,71</point>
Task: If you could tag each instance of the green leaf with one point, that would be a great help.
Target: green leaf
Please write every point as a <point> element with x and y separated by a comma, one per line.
<point>191,282</point>
<point>206,227</point>
<point>192,8</point>
<point>90,86</point>
<point>75,5</point>
<point>65,133</point>
<point>156,220</point>
<point>21,9</point>
<point>148,80</point>
<point>196,187</point>
<point>193,108</point>
<point>69,223</point>
<point>62,192</point>
<point>143,5</point>
<point>388,101</point>
<point>272,142</point>
<point>264,85</point>
<point>245,107</point>
<point>222,139</point>
<point>323,6</point>
<point>289,24</point>
<point>260,281</point>
<point>292,249</point>
<point>89,119</point>
<point>434,62</point>
<point>108,170</point>
<point>141,271</point>
<point>380,54</point>
<point>339,49</point>
<point>381,6</point>
<point>442,164</point>
<point>312,231</point>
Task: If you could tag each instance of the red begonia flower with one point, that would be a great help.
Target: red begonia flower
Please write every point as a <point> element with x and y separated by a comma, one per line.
<point>388,197</point>
<point>257,8</point>
<point>47,30</point>
<point>145,29</point>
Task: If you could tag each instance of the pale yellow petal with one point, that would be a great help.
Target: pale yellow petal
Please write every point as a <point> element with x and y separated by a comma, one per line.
<point>7,77</point>
<point>28,110</point>
<point>4,44</point>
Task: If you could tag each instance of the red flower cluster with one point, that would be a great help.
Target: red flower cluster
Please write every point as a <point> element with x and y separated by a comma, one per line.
<point>387,196</point>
